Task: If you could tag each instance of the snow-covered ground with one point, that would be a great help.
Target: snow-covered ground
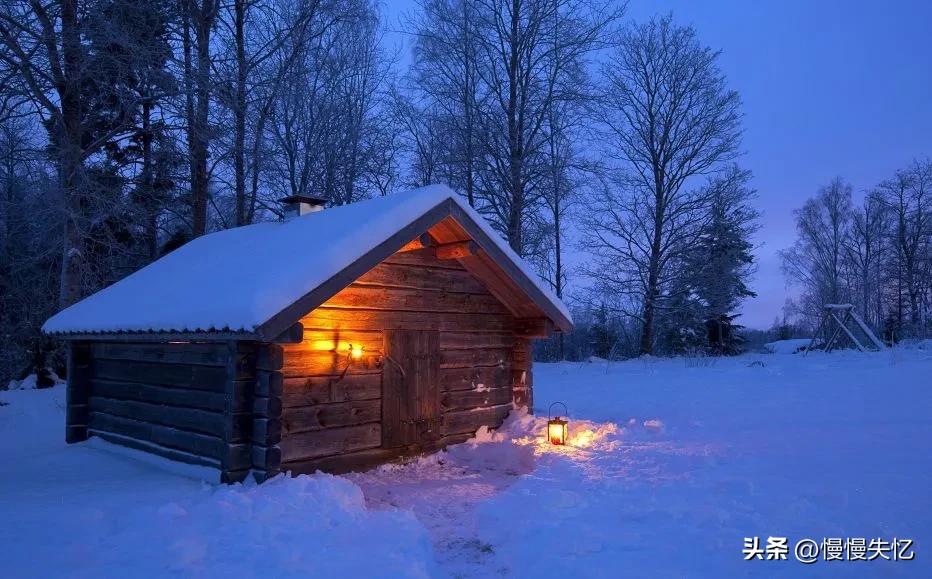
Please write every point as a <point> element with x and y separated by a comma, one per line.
<point>669,469</point>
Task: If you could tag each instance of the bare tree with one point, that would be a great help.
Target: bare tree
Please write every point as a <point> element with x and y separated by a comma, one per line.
<point>445,70</point>
<point>908,198</point>
<point>817,259</point>
<point>670,117</point>
<point>866,251</point>
<point>200,18</point>
<point>43,43</point>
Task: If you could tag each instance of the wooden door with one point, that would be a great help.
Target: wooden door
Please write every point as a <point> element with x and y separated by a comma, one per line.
<point>410,388</point>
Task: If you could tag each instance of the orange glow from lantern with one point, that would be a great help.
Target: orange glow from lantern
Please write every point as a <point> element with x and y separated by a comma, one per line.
<point>557,430</point>
<point>356,352</point>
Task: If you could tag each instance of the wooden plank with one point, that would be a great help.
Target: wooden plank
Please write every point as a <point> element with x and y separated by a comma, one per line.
<point>267,431</point>
<point>267,407</point>
<point>190,419</point>
<point>79,373</point>
<point>335,341</point>
<point>169,453</point>
<point>399,350</point>
<point>268,383</point>
<point>267,458</point>
<point>469,421</point>
<point>421,258</point>
<point>154,394</point>
<point>414,300</point>
<point>522,382</point>
<point>533,327</point>
<point>475,358</point>
<point>316,363</point>
<point>456,249</point>
<point>330,441</point>
<point>343,463</point>
<point>365,459</point>
<point>500,286</point>
<point>468,378</point>
<point>467,399</point>
<point>471,340</point>
<point>326,389</point>
<point>237,456</point>
<point>209,378</point>
<point>266,435</point>
<point>425,277</point>
<point>320,416</point>
<point>269,357</point>
<point>337,319</point>
<point>208,354</point>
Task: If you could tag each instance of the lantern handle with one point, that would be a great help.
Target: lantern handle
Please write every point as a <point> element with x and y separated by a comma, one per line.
<point>550,413</point>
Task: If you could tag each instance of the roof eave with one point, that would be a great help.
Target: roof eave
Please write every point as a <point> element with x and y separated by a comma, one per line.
<point>157,336</point>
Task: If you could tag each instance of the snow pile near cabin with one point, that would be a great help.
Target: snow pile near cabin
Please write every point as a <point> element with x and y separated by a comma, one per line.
<point>96,510</point>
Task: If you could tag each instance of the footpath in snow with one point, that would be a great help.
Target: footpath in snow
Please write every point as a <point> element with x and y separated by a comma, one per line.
<point>669,468</point>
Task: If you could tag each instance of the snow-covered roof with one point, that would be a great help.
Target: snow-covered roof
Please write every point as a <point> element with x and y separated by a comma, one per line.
<point>238,279</point>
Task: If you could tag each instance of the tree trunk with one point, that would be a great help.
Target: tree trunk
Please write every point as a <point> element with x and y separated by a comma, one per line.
<point>239,113</point>
<point>187,8</point>
<point>146,185</point>
<point>653,272</point>
<point>515,137</point>
<point>71,161</point>
<point>199,152</point>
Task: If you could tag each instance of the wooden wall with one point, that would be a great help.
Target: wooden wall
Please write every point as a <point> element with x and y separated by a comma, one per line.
<point>332,406</point>
<point>192,402</point>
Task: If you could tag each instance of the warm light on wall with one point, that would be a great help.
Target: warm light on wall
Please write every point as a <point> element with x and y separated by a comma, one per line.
<point>557,429</point>
<point>355,351</point>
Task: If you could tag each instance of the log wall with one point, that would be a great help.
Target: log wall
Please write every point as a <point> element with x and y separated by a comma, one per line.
<point>331,403</point>
<point>192,402</point>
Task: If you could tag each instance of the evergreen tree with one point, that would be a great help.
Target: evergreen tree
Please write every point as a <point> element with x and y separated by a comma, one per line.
<point>723,259</point>
<point>602,338</point>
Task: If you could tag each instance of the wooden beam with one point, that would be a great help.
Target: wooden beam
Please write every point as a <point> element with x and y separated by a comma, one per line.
<point>267,409</point>
<point>78,393</point>
<point>456,250</point>
<point>293,335</point>
<point>423,241</point>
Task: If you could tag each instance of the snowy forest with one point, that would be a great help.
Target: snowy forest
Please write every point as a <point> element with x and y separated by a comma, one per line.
<point>875,254</point>
<point>128,128</point>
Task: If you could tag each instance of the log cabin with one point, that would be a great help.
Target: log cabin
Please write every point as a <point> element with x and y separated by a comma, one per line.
<point>335,340</point>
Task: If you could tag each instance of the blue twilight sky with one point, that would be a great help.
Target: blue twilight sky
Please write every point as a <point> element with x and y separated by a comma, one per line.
<point>829,88</point>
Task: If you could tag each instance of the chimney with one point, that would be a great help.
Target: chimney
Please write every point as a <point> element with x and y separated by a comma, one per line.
<point>298,205</point>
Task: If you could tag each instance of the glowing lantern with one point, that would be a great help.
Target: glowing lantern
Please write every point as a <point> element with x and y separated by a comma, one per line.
<point>355,352</point>
<point>557,427</point>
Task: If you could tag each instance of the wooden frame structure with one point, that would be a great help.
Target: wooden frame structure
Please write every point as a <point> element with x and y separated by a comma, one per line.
<point>839,316</point>
<point>411,347</point>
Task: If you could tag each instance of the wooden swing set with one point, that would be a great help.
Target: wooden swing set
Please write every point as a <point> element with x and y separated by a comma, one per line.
<point>842,316</point>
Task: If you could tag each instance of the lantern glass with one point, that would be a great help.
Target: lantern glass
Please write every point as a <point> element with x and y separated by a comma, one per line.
<point>556,431</point>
